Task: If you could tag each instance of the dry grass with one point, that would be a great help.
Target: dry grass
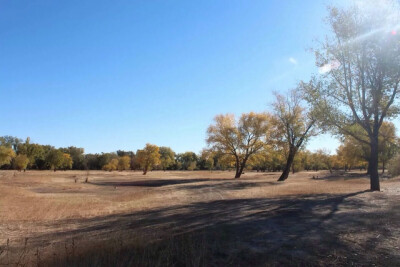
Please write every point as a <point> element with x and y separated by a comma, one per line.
<point>191,218</point>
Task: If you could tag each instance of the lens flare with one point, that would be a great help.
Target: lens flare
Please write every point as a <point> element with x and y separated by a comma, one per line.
<point>394,32</point>
<point>329,67</point>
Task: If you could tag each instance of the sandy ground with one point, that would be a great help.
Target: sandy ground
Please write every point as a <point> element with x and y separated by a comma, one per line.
<point>254,220</point>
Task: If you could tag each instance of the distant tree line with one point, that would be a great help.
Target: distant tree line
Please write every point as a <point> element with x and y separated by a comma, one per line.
<point>21,155</point>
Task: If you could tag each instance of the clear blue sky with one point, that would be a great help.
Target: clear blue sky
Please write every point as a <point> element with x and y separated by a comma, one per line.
<point>108,75</point>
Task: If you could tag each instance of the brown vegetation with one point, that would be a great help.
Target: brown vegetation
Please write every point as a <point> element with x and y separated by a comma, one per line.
<point>196,219</point>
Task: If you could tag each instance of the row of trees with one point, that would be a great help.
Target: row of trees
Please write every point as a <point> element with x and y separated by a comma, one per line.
<point>18,154</point>
<point>22,155</point>
<point>270,157</point>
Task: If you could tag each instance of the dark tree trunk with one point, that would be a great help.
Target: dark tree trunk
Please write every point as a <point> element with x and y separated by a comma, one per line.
<point>289,162</point>
<point>237,167</point>
<point>144,171</point>
<point>373,164</point>
<point>369,167</point>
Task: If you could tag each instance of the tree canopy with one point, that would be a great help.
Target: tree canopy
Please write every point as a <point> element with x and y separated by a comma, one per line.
<point>241,139</point>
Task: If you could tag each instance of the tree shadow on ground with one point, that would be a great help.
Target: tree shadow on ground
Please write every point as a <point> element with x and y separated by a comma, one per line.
<point>311,230</point>
<point>229,185</point>
<point>154,182</point>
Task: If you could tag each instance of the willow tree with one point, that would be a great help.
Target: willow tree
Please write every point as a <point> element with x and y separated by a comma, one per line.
<point>360,73</point>
<point>293,126</point>
<point>241,139</point>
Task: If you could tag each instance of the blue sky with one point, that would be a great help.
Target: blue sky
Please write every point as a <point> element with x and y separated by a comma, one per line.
<point>108,75</point>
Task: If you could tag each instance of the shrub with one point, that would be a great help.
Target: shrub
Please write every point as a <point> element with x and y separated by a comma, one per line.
<point>20,162</point>
<point>394,166</point>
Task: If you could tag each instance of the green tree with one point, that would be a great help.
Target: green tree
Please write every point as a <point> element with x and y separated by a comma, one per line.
<point>10,141</point>
<point>240,139</point>
<point>55,159</point>
<point>207,159</point>
<point>35,153</point>
<point>360,74</point>
<point>167,157</point>
<point>186,159</point>
<point>148,157</point>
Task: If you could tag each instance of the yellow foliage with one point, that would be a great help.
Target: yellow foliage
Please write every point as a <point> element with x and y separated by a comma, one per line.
<point>20,162</point>
<point>6,155</point>
<point>111,166</point>
<point>124,163</point>
<point>148,157</point>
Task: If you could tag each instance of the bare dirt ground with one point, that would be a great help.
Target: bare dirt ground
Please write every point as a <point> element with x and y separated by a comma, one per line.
<point>196,218</point>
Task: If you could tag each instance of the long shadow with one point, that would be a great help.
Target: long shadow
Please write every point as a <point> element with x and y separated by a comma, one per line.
<point>345,176</point>
<point>302,230</point>
<point>154,182</point>
<point>229,185</point>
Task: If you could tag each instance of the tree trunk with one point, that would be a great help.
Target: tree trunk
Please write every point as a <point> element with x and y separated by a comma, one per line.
<point>289,163</point>
<point>144,171</point>
<point>373,164</point>
<point>242,166</point>
<point>238,172</point>
<point>369,167</point>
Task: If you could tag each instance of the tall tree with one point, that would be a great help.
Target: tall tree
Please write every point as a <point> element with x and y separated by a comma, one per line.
<point>293,125</point>
<point>148,157</point>
<point>360,73</point>
<point>241,139</point>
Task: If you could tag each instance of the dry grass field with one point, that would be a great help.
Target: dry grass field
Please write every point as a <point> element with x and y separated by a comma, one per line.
<point>197,218</point>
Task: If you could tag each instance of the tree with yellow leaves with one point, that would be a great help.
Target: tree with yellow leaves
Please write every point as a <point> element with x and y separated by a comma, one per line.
<point>21,162</point>
<point>241,139</point>
<point>293,125</point>
<point>111,166</point>
<point>66,161</point>
<point>148,157</point>
<point>124,162</point>
<point>6,155</point>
